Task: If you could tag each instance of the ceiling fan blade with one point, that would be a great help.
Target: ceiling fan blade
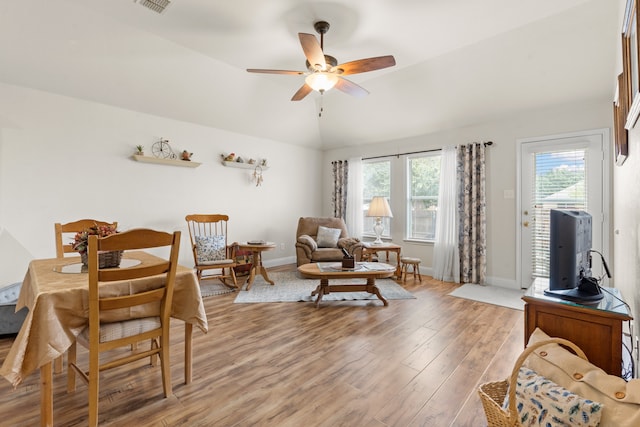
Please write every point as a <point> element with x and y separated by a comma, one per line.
<point>351,88</point>
<point>364,65</point>
<point>258,70</point>
<point>302,92</point>
<point>312,50</point>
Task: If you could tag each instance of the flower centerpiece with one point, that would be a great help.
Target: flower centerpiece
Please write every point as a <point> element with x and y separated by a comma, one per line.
<point>81,242</point>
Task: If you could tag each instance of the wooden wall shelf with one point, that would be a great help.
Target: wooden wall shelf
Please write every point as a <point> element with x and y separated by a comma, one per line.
<point>243,165</point>
<point>172,162</point>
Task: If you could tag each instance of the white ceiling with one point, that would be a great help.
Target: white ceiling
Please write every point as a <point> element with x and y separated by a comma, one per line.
<point>459,62</point>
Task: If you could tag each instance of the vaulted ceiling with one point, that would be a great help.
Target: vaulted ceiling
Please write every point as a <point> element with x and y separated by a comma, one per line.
<point>459,62</point>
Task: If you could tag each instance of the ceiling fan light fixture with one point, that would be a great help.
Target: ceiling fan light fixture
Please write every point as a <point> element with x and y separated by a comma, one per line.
<point>321,80</point>
<point>324,72</point>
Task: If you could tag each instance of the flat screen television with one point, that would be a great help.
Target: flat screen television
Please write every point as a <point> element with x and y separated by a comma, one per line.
<point>569,257</point>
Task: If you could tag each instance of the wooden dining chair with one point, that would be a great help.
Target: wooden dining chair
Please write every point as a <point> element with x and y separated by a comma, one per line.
<point>69,229</point>
<point>122,316</point>
<point>74,227</point>
<point>211,251</point>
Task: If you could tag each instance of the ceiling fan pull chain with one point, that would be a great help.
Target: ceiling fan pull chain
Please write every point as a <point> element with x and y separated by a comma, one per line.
<point>321,103</point>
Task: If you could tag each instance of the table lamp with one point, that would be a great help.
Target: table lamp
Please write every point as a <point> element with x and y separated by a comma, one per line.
<point>378,208</point>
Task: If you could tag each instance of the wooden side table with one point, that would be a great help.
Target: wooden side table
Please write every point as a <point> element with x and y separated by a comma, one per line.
<point>596,329</point>
<point>371,249</point>
<point>257,267</point>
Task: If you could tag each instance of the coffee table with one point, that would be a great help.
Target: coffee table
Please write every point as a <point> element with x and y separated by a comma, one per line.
<point>326,271</point>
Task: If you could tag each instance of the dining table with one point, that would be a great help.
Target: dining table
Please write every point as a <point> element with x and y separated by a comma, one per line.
<point>56,293</point>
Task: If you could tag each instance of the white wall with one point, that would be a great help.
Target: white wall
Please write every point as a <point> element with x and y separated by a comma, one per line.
<point>626,225</point>
<point>63,159</point>
<point>501,174</point>
<point>626,217</point>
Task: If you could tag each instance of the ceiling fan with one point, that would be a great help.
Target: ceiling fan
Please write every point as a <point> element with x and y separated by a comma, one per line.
<point>324,71</point>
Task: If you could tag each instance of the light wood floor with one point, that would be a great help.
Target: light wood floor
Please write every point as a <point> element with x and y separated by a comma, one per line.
<point>350,363</point>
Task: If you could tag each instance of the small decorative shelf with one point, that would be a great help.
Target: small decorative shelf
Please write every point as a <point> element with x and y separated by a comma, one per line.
<point>243,165</point>
<point>173,162</point>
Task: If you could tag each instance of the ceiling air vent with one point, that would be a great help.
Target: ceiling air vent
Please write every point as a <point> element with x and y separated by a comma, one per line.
<point>156,5</point>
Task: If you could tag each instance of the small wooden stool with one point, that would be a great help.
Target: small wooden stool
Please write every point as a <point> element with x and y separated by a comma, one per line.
<point>406,262</point>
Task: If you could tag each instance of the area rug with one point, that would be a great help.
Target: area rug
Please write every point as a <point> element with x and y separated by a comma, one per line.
<point>289,287</point>
<point>213,287</point>
<point>495,295</point>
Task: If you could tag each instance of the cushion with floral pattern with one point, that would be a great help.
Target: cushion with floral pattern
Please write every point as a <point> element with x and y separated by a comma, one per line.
<point>210,248</point>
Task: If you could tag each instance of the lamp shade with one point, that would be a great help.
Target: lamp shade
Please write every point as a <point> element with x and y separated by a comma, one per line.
<point>321,80</point>
<point>379,207</point>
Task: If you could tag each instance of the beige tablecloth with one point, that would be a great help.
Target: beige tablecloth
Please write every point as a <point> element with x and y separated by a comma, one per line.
<point>58,310</point>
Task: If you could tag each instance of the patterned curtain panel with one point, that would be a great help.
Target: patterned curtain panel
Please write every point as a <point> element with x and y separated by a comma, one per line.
<point>472,212</point>
<point>340,180</point>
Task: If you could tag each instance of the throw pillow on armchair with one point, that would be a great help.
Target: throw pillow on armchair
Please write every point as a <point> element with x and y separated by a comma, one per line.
<point>328,237</point>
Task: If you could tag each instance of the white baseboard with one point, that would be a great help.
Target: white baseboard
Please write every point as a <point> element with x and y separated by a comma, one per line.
<point>279,261</point>
<point>427,271</point>
<point>492,281</point>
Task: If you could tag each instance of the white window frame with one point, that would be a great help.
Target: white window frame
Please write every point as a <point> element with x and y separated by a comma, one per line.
<point>408,196</point>
<point>367,228</point>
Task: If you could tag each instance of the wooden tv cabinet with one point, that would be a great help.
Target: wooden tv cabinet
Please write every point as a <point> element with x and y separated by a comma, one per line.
<point>596,329</point>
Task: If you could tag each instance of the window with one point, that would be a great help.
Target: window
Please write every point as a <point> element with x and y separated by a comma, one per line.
<point>376,181</point>
<point>423,186</point>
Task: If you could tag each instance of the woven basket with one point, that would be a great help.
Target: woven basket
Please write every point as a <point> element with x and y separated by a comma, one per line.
<point>105,259</point>
<point>493,394</point>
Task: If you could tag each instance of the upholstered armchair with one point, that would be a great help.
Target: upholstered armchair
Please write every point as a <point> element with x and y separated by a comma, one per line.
<point>322,240</point>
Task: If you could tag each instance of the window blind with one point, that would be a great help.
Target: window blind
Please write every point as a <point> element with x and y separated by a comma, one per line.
<point>559,183</point>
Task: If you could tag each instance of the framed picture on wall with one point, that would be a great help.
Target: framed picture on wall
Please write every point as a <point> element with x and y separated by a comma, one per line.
<point>630,56</point>
<point>619,120</point>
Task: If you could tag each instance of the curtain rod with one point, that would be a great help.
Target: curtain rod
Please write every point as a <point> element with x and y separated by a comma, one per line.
<point>486,144</point>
